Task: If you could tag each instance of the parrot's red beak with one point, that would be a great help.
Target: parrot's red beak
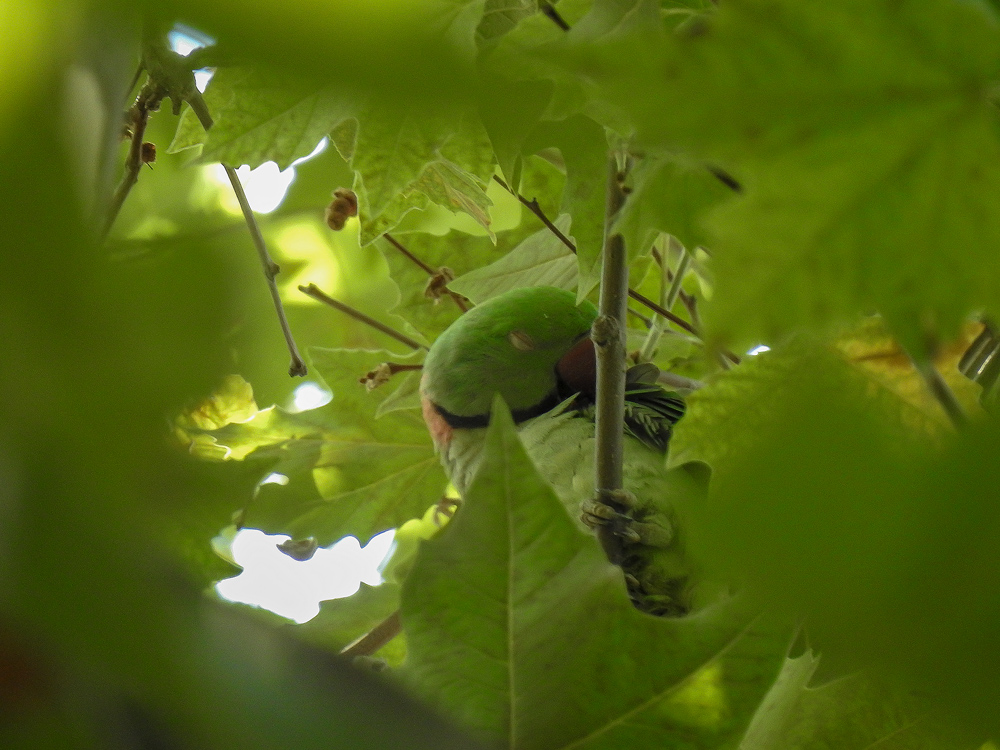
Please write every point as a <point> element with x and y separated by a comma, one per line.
<point>578,368</point>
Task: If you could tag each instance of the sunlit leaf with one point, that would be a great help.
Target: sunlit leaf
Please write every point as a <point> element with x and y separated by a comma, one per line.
<point>260,116</point>
<point>541,260</point>
<point>232,402</point>
<point>393,147</point>
<point>348,473</point>
<point>448,185</point>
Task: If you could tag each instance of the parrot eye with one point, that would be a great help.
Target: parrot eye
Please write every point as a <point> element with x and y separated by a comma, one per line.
<point>520,341</point>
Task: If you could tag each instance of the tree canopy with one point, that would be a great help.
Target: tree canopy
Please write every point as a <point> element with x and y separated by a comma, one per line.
<point>821,178</point>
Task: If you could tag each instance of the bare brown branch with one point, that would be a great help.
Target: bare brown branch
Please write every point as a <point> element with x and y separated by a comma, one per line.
<point>316,293</point>
<point>459,300</point>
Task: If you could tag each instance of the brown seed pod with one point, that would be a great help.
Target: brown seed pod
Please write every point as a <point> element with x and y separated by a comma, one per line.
<point>343,207</point>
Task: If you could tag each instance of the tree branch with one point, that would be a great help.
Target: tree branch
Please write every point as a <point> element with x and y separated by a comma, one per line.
<point>940,390</point>
<point>533,206</point>
<point>670,287</point>
<point>375,638</point>
<point>138,119</point>
<point>608,335</point>
<point>458,298</point>
<point>316,293</point>
<point>271,269</point>
<point>548,9</point>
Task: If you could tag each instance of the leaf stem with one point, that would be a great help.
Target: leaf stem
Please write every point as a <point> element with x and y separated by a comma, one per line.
<point>940,390</point>
<point>548,9</point>
<point>533,206</point>
<point>271,269</point>
<point>670,287</point>
<point>459,300</point>
<point>375,638</point>
<point>316,293</point>
<point>608,334</point>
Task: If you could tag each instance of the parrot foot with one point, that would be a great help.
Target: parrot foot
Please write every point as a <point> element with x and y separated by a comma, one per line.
<point>671,602</point>
<point>598,512</point>
<point>622,520</point>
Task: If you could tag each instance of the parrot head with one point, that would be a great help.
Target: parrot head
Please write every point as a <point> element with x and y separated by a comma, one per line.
<point>523,344</point>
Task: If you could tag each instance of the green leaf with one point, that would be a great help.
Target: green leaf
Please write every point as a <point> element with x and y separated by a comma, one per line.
<point>827,503</point>
<point>500,16</point>
<point>406,396</point>
<point>726,420</point>
<point>858,711</point>
<point>469,147</point>
<point>541,260</point>
<point>512,611</point>
<point>393,147</point>
<point>780,704</point>
<point>260,116</point>
<point>669,194</point>
<point>373,226</point>
<point>452,187</point>
<point>861,130</point>
<point>510,112</point>
<point>346,473</point>
<point>341,621</point>
<point>584,150</point>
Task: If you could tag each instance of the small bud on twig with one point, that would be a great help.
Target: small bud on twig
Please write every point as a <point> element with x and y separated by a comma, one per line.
<point>381,374</point>
<point>342,208</point>
<point>437,284</point>
<point>148,152</point>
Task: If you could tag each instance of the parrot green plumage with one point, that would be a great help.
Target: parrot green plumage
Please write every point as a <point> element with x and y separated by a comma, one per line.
<point>532,346</point>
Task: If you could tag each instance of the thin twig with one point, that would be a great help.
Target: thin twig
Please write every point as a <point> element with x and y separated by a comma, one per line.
<point>396,244</point>
<point>552,14</point>
<point>678,278</point>
<point>642,318</point>
<point>609,339</point>
<point>271,269</point>
<point>316,293</point>
<point>940,390</point>
<point>458,298</point>
<point>686,299</point>
<point>670,287</point>
<point>135,80</point>
<point>139,118</point>
<point>660,310</point>
<point>375,638</point>
<point>533,206</point>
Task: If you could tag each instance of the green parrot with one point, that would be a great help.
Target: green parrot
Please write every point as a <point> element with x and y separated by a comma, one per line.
<point>532,346</point>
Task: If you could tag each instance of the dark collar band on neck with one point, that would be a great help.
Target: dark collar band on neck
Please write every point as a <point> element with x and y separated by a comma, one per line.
<point>457,421</point>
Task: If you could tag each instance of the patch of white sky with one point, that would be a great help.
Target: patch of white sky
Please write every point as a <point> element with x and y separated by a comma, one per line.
<point>759,349</point>
<point>310,395</point>
<point>293,588</point>
<point>270,578</point>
